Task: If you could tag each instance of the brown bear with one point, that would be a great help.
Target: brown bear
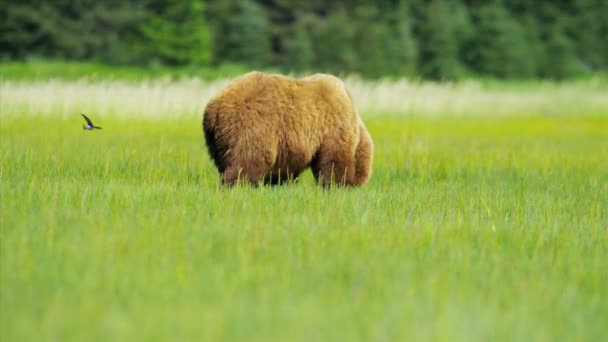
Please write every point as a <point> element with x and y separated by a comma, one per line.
<point>269,128</point>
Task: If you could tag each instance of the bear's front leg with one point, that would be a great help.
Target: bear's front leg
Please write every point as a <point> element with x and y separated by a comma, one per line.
<point>236,174</point>
<point>249,163</point>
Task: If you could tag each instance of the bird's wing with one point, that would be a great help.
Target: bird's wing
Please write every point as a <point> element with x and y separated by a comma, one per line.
<point>86,118</point>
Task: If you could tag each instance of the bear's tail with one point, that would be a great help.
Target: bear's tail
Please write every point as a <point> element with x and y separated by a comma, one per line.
<point>364,156</point>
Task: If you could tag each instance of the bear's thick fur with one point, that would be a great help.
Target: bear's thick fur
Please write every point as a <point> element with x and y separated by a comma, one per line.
<point>269,127</point>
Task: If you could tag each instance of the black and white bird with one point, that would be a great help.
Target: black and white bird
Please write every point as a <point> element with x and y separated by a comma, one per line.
<point>89,126</point>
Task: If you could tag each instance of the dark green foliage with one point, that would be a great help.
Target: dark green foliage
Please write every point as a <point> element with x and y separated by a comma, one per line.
<point>85,29</point>
<point>436,39</point>
<point>591,43</point>
<point>372,32</point>
<point>299,49</point>
<point>248,35</point>
<point>438,43</point>
<point>401,46</point>
<point>176,33</point>
<point>501,47</point>
<point>560,58</point>
<point>116,32</point>
<point>384,41</point>
<point>334,38</point>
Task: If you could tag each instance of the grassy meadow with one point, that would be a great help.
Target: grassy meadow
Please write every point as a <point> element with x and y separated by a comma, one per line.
<point>485,219</point>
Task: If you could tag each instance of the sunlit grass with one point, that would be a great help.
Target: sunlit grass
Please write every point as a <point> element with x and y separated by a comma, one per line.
<point>473,227</point>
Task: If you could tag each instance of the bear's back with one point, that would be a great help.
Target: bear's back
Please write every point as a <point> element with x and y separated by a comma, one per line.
<point>256,84</point>
<point>257,93</point>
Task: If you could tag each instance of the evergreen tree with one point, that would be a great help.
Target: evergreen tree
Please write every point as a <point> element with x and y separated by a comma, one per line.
<point>534,54</point>
<point>248,36</point>
<point>500,44</point>
<point>589,29</point>
<point>463,30</point>
<point>601,18</point>
<point>560,57</point>
<point>334,38</point>
<point>401,46</point>
<point>299,50</point>
<point>177,33</point>
<point>371,36</point>
<point>438,43</point>
<point>85,29</point>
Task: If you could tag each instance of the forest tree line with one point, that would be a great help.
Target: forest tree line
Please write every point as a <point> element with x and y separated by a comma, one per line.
<point>433,39</point>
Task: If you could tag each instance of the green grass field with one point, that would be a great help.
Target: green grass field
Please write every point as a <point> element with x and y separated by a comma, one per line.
<point>471,228</point>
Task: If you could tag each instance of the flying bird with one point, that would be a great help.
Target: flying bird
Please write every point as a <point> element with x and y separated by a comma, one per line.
<point>89,126</point>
